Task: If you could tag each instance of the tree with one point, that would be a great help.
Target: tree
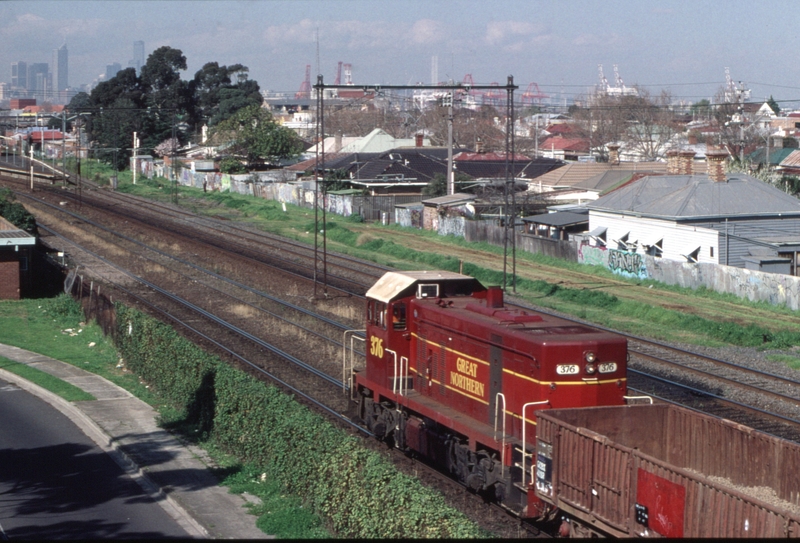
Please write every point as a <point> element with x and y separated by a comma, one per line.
<point>436,187</point>
<point>217,97</point>
<point>253,134</point>
<point>645,124</point>
<point>774,105</point>
<point>701,109</point>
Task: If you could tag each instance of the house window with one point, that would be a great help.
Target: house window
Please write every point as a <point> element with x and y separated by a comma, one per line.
<point>23,263</point>
<point>711,250</point>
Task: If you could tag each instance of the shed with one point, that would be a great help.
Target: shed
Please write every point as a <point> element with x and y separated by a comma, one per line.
<point>557,225</point>
<point>16,251</point>
<point>439,205</point>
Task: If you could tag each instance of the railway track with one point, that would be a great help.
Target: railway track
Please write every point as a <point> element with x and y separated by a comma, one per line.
<point>343,273</point>
<point>710,385</point>
<point>302,358</point>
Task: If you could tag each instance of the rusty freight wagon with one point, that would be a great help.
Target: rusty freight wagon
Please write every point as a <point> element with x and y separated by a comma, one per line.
<point>662,470</point>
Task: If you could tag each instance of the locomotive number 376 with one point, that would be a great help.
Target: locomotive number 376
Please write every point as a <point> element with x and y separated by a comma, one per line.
<point>376,348</point>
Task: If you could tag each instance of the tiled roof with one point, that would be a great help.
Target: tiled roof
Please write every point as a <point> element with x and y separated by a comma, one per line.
<point>576,172</point>
<point>564,144</point>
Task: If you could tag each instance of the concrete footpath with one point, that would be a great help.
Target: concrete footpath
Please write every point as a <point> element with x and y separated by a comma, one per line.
<point>174,474</point>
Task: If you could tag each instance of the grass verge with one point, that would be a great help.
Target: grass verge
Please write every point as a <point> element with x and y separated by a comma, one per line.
<point>69,392</point>
<point>54,327</point>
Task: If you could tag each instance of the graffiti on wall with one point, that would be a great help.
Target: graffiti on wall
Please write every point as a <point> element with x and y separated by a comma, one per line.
<point>624,263</point>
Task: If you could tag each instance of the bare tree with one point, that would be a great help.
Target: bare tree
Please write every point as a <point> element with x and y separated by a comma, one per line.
<point>652,124</point>
<point>644,124</point>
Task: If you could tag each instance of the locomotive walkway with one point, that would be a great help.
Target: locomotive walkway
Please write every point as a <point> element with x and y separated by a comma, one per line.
<point>175,475</point>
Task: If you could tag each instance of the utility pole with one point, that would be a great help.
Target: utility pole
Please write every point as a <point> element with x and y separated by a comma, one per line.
<point>31,161</point>
<point>451,182</point>
<point>135,147</point>
<point>64,145</point>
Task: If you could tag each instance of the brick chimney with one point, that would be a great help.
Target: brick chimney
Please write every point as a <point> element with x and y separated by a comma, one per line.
<point>418,139</point>
<point>672,162</point>
<point>337,142</point>
<point>716,165</point>
<point>613,153</point>
<point>687,162</point>
<point>479,145</point>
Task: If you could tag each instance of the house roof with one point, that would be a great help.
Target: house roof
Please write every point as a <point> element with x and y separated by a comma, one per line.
<point>776,156</point>
<point>693,197</point>
<point>573,173</point>
<point>471,156</point>
<point>376,141</point>
<point>790,158</point>
<point>564,144</point>
<point>11,235</point>
<point>450,199</point>
<point>422,164</point>
<point>560,218</point>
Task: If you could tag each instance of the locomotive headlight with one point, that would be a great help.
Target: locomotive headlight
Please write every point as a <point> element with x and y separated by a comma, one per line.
<point>590,368</point>
<point>590,357</point>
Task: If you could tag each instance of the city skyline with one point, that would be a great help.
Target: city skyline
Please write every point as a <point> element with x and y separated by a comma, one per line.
<point>676,45</point>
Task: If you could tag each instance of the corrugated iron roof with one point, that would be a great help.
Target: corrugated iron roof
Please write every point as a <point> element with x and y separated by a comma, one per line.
<point>13,235</point>
<point>561,218</point>
<point>679,197</point>
<point>450,199</point>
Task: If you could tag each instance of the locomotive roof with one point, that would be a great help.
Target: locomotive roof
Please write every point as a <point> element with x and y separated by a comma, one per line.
<point>392,284</point>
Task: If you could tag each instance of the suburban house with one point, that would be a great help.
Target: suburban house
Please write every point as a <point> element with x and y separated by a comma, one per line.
<point>733,219</point>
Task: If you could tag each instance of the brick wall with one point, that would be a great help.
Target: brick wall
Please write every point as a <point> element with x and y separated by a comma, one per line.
<point>9,276</point>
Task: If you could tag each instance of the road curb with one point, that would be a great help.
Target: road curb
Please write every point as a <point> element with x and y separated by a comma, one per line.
<point>110,447</point>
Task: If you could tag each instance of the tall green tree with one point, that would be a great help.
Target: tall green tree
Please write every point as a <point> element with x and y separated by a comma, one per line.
<point>252,134</point>
<point>219,91</point>
<point>774,105</point>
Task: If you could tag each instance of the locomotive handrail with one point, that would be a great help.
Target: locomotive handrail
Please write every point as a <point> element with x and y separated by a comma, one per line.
<point>404,383</point>
<point>639,398</point>
<point>394,375</point>
<point>524,442</point>
<point>503,440</point>
<point>353,337</point>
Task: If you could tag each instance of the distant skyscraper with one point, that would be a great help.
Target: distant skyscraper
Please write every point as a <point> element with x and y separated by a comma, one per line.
<point>138,56</point>
<point>38,80</point>
<point>112,70</point>
<point>19,74</point>
<point>60,68</point>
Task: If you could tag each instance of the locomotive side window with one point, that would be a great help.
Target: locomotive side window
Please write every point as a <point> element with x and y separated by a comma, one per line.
<point>380,315</point>
<point>399,317</point>
<point>370,311</point>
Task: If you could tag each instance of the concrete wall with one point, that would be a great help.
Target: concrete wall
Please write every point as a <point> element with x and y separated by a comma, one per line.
<point>773,288</point>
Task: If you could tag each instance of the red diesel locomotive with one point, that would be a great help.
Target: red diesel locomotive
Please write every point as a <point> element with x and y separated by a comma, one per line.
<point>457,378</point>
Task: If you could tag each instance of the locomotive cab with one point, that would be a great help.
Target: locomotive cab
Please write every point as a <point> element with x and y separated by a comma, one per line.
<point>454,376</point>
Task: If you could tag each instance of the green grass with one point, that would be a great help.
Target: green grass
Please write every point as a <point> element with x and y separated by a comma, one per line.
<point>55,327</point>
<point>279,513</point>
<point>792,362</point>
<point>69,392</point>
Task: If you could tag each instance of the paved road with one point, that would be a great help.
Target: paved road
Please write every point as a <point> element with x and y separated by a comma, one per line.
<point>56,483</point>
<point>175,474</point>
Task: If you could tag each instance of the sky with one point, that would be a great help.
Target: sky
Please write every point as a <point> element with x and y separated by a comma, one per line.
<point>681,46</point>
